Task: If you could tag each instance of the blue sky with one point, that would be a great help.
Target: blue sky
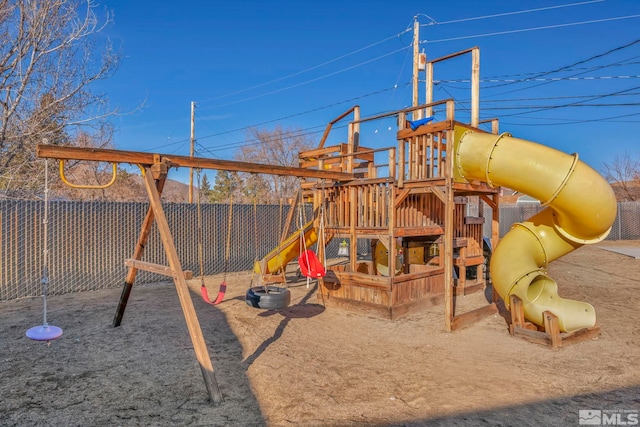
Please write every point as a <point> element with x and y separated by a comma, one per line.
<point>301,64</point>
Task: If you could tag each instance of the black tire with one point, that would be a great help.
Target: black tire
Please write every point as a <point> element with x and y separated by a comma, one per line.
<point>271,298</point>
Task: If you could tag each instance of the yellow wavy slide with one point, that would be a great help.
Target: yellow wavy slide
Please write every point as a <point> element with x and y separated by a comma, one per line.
<point>287,250</point>
<point>580,209</point>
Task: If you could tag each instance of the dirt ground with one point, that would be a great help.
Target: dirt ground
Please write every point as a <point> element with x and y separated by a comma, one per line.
<point>307,365</point>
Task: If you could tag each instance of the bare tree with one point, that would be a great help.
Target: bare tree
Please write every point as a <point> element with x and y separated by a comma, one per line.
<point>51,52</point>
<point>624,174</point>
<point>278,147</point>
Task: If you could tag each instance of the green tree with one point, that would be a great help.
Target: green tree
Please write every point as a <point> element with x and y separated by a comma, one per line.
<point>226,183</point>
<point>205,188</point>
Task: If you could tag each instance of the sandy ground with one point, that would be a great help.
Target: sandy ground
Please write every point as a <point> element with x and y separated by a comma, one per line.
<point>314,367</point>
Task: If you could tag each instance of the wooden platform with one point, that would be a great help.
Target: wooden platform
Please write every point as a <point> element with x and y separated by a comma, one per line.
<point>549,334</point>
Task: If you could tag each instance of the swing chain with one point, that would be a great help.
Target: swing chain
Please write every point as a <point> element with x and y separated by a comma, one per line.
<point>227,248</point>
<point>45,252</point>
<point>45,332</point>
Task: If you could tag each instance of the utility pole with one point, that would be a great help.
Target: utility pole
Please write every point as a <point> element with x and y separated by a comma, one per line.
<point>191,151</point>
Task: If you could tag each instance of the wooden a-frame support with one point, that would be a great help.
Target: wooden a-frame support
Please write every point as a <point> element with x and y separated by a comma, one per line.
<point>155,168</point>
<point>154,178</point>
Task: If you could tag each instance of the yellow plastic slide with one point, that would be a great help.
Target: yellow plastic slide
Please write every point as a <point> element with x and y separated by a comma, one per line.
<point>580,209</point>
<point>287,250</point>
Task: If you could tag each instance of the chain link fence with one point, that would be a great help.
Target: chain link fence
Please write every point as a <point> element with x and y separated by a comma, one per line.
<point>89,241</point>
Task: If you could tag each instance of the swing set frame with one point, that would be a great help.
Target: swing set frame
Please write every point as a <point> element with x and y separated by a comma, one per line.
<point>154,169</point>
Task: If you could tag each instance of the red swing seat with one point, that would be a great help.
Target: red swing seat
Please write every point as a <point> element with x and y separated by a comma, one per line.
<point>310,265</point>
<point>219,298</point>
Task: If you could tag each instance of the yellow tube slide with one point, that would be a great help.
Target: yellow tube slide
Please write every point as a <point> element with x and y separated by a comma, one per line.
<point>580,209</point>
<point>287,250</point>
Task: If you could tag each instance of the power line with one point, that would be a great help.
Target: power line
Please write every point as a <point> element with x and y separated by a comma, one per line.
<point>305,112</point>
<point>518,12</point>
<point>572,121</point>
<point>547,98</point>
<point>395,87</point>
<point>523,77</point>
<point>564,68</point>
<point>182,141</point>
<point>552,79</point>
<point>306,70</point>
<point>550,107</point>
<point>582,61</point>
<point>522,30</point>
<point>311,80</point>
<point>573,103</point>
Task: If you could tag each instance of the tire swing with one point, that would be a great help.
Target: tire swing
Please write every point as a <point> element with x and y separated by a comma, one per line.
<point>223,285</point>
<point>266,297</point>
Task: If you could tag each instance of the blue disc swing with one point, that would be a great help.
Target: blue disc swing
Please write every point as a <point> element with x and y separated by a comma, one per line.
<point>45,332</point>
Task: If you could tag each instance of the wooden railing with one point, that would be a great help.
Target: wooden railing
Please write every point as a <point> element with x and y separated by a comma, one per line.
<point>365,206</point>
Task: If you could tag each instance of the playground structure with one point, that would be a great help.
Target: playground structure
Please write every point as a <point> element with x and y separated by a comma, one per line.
<point>426,248</point>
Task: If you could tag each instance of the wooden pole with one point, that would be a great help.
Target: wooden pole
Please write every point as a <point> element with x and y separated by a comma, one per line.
<point>449,210</point>
<point>137,255</point>
<point>429,88</point>
<point>191,151</point>
<point>475,86</point>
<point>182,288</point>
<point>416,65</point>
<point>401,151</point>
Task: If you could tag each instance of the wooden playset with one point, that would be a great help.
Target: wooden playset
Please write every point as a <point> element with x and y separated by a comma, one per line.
<point>427,247</point>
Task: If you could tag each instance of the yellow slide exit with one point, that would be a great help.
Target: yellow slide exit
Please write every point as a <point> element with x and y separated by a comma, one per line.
<point>580,209</point>
<point>287,250</point>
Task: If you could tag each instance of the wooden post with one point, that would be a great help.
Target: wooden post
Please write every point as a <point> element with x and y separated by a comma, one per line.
<point>356,128</point>
<point>552,328</point>
<point>495,126</point>
<point>137,255</point>
<point>475,86</point>
<point>391,242</point>
<point>191,151</point>
<point>429,88</point>
<point>350,147</point>
<point>293,204</point>
<point>353,238</point>
<point>401,147</point>
<point>416,114</point>
<point>449,207</point>
<point>392,163</point>
<point>182,288</point>
<point>517,314</point>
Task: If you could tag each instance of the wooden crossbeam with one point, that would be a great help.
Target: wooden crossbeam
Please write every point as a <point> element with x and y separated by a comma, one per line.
<point>164,270</point>
<point>471,317</point>
<point>146,159</point>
